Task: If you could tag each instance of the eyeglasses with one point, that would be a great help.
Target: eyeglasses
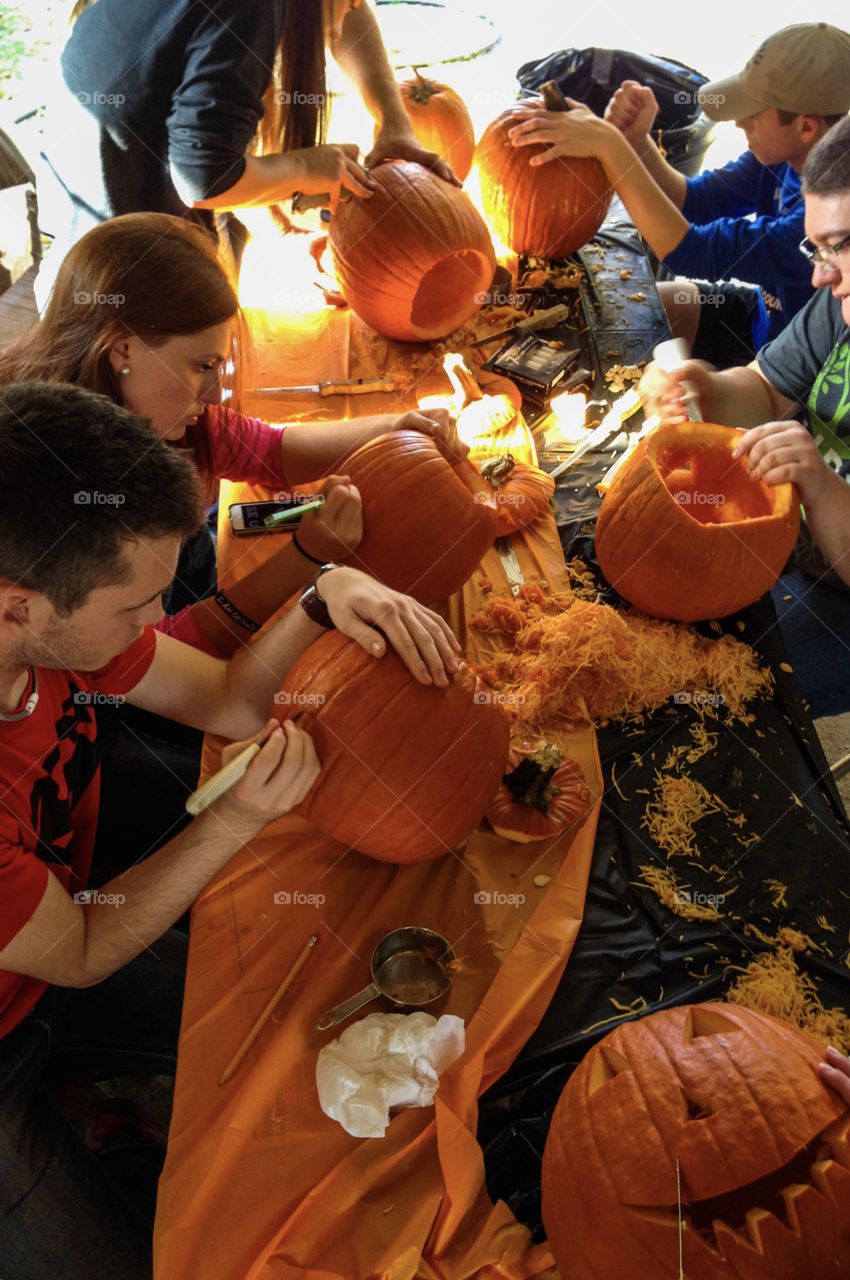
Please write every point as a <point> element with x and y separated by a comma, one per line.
<point>827,257</point>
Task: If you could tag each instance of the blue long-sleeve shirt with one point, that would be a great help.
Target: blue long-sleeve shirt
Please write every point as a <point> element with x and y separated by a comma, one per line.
<point>724,243</point>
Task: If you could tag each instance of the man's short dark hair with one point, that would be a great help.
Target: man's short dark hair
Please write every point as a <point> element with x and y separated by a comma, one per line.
<point>827,168</point>
<point>785,117</point>
<point>82,477</point>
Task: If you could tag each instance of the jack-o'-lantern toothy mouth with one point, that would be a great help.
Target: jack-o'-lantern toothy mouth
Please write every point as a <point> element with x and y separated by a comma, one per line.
<point>821,1169</point>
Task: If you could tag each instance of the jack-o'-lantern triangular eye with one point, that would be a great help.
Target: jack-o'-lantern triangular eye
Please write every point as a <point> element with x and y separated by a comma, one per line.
<point>692,1109</point>
<point>706,1022</point>
<point>609,1063</point>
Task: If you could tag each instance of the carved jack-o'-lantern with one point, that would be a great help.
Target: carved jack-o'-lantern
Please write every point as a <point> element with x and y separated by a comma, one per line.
<point>716,1108</point>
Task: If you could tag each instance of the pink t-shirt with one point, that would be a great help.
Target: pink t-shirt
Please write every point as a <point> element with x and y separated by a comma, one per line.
<point>245,449</point>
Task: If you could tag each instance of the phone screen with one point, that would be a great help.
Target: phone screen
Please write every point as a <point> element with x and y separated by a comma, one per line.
<point>250,517</point>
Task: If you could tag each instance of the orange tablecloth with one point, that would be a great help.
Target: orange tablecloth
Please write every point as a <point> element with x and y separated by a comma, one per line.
<point>258,1182</point>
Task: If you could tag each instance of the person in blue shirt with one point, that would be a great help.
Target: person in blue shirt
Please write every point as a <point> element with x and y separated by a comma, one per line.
<point>739,225</point>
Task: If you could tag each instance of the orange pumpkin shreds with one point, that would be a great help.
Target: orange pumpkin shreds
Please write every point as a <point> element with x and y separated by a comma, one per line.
<point>584,585</point>
<point>704,742</point>
<point>593,663</point>
<point>785,937</point>
<point>678,805</point>
<point>778,892</point>
<point>772,983</point>
<point>677,897</point>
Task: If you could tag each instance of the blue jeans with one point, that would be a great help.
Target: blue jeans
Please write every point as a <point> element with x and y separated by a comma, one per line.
<point>63,1212</point>
<point>815,626</point>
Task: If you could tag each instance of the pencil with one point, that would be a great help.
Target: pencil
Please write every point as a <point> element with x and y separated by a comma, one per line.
<point>294,513</point>
<point>267,1012</point>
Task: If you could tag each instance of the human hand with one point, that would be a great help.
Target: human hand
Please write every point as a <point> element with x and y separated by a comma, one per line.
<point>577,132</point>
<point>336,529</point>
<point>436,423</point>
<point>666,395</point>
<point>277,779</point>
<point>333,169</point>
<point>785,453</point>
<point>396,143</point>
<point>836,1072</point>
<point>632,109</point>
<point>358,604</point>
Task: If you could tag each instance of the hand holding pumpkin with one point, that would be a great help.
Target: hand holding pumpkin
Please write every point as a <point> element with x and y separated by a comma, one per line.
<point>632,109</point>
<point>785,453</point>
<point>372,614</point>
<point>335,530</point>
<point>836,1072</point>
<point>400,144</point>
<point>577,132</point>
<point>276,780</point>
<point>436,423</point>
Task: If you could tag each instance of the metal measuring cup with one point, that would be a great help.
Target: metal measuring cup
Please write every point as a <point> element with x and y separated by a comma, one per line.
<point>410,968</point>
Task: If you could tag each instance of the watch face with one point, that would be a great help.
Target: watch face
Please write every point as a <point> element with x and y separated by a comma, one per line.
<point>315,608</point>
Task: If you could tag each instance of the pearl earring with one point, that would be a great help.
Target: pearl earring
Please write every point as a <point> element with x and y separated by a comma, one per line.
<point>125,369</point>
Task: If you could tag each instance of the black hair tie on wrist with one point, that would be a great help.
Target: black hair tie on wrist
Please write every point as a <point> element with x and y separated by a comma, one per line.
<point>305,554</point>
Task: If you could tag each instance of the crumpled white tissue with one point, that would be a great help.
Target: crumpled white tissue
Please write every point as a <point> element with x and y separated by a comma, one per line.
<point>385,1062</point>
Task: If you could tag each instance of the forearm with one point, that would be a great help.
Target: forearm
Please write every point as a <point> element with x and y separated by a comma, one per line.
<point>672,183</point>
<point>256,671</point>
<point>361,54</point>
<point>742,398</point>
<point>829,524</point>
<point>136,908</point>
<point>256,597</point>
<point>655,215</point>
<point>310,452</point>
<point>265,180</point>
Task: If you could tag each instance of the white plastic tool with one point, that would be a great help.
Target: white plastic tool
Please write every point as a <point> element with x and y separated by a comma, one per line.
<point>671,355</point>
<point>222,781</point>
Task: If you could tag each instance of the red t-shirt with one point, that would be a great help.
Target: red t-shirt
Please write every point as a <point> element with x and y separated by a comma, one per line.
<point>49,795</point>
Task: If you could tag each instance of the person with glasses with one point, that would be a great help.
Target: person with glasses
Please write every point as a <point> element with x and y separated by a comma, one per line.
<point>794,400</point>
<point>737,224</point>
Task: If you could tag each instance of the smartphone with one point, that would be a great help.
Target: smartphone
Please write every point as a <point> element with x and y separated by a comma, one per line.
<point>249,517</point>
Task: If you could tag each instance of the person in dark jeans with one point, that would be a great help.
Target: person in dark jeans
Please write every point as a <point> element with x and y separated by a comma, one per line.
<point>90,526</point>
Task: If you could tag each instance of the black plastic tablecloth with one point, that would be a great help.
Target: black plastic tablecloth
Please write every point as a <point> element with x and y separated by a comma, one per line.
<point>630,946</point>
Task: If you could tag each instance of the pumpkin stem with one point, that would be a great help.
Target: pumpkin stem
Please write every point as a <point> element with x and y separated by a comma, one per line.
<point>553,97</point>
<point>468,382</point>
<point>530,782</point>
<point>498,470</point>
<point>423,90</point>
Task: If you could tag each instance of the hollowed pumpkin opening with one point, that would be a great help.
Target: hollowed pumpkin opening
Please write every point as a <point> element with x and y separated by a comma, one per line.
<point>711,487</point>
<point>443,299</point>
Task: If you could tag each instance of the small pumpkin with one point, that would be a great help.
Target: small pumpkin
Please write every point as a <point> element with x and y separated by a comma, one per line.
<point>414,260</point>
<point>428,516</point>
<point>714,1106</point>
<point>523,492</point>
<point>440,121</point>
<point>542,793</point>
<point>686,533</point>
<point>548,211</point>
<point>407,769</point>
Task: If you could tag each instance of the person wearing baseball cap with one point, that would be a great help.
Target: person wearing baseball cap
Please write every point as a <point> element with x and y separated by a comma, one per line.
<point>740,223</point>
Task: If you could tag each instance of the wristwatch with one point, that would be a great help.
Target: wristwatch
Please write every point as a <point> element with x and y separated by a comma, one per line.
<point>313,603</point>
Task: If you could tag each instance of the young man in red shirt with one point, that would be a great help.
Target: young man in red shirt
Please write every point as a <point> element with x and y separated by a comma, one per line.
<point>93,512</point>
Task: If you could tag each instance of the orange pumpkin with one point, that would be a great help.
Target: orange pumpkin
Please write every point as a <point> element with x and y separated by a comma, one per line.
<point>407,769</point>
<point>723,1108</point>
<point>685,532</point>
<point>415,259</point>
<point>542,794</point>
<point>523,493</point>
<point>440,121</point>
<point>548,211</point>
<point>428,516</point>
